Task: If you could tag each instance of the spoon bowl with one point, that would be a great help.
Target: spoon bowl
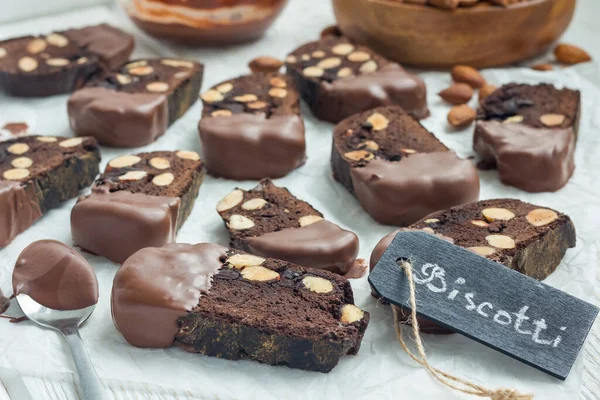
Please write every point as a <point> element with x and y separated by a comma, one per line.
<point>67,322</point>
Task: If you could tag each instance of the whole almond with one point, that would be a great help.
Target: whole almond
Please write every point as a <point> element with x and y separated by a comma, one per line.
<point>542,67</point>
<point>265,64</point>
<point>569,54</point>
<point>332,30</point>
<point>485,91</point>
<point>461,116</point>
<point>459,93</point>
<point>445,4</point>
<point>468,75</point>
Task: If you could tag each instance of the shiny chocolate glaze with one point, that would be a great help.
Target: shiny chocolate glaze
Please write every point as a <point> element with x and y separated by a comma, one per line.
<point>56,276</point>
<point>157,286</point>
<point>124,222</point>
<point>19,209</point>
<point>248,146</point>
<point>118,119</point>
<point>531,159</point>
<point>390,85</point>
<point>322,245</point>
<point>400,193</point>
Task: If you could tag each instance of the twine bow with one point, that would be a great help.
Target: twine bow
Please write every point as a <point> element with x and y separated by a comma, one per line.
<point>445,378</point>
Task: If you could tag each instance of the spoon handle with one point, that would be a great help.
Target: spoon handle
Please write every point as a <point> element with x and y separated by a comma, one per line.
<point>88,378</point>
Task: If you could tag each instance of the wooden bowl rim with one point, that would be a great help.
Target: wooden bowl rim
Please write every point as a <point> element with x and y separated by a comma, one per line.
<point>460,10</point>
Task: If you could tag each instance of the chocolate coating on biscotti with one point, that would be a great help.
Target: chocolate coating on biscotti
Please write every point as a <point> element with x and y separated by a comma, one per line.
<point>60,62</point>
<point>251,127</point>
<point>134,105</point>
<point>277,313</point>
<point>528,132</point>
<point>269,221</point>
<point>38,173</point>
<point>527,238</point>
<point>338,79</point>
<point>141,200</point>
<point>398,170</point>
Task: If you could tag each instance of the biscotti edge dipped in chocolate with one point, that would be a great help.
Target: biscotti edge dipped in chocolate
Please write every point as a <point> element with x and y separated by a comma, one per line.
<point>398,171</point>
<point>271,222</point>
<point>37,174</point>
<point>60,62</point>
<point>141,200</point>
<point>529,132</point>
<point>236,306</point>
<point>524,237</point>
<point>135,104</point>
<point>252,128</point>
<point>338,78</point>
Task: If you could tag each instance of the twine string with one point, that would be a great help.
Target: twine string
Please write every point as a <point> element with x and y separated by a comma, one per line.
<point>420,357</point>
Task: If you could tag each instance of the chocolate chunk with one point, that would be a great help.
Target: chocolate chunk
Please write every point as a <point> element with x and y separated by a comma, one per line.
<point>270,222</point>
<point>527,238</point>
<point>134,105</point>
<point>141,200</point>
<point>251,127</point>
<point>398,170</point>
<point>186,295</point>
<point>338,78</point>
<point>529,132</point>
<point>38,173</point>
<point>56,276</point>
<point>60,62</point>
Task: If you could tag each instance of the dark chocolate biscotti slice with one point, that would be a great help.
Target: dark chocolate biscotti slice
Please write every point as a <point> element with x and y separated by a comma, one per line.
<point>134,105</point>
<point>60,62</point>
<point>38,173</point>
<point>270,222</point>
<point>222,303</point>
<point>338,79</point>
<point>397,169</point>
<point>140,201</point>
<point>527,238</point>
<point>529,132</point>
<point>251,127</point>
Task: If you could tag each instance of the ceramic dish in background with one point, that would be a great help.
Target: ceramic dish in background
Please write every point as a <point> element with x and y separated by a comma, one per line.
<point>480,36</point>
<point>204,22</point>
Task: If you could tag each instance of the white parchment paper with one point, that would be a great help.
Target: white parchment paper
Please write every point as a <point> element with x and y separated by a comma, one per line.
<point>381,369</point>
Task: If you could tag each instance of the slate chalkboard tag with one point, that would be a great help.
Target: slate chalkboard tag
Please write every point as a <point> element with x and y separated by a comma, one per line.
<point>485,301</point>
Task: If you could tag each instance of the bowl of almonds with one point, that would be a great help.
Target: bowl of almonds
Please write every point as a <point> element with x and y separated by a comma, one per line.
<point>444,33</point>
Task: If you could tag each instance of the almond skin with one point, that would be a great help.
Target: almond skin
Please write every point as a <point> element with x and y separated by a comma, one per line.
<point>569,54</point>
<point>485,91</point>
<point>459,93</point>
<point>468,75</point>
<point>542,67</point>
<point>332,30</point>
<point>265,64</point>
<point>461,116</point>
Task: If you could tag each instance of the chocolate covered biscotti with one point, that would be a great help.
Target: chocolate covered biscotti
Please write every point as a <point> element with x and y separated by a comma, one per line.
<point>270,222</point>
<point>527,238</point>
<point>528,132</point>
<point>338,78</point>
<point>133,105</point>
<point>38,173</point>
<point>60,62</point>
<point>140,201</point>
<point>251,127</point>
<point>397,169</point>
<point>223,303</point>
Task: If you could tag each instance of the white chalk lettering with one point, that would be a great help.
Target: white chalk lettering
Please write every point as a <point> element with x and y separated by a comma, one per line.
<point>433,277</point>
<point>502,313</point>
<point>521,317</point>
<point>481,307</point>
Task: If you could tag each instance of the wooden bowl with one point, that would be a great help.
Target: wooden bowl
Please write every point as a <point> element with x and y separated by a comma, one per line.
<point>481,36</point>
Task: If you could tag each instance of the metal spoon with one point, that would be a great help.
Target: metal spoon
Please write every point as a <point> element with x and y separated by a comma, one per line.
<point>67,323</point>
